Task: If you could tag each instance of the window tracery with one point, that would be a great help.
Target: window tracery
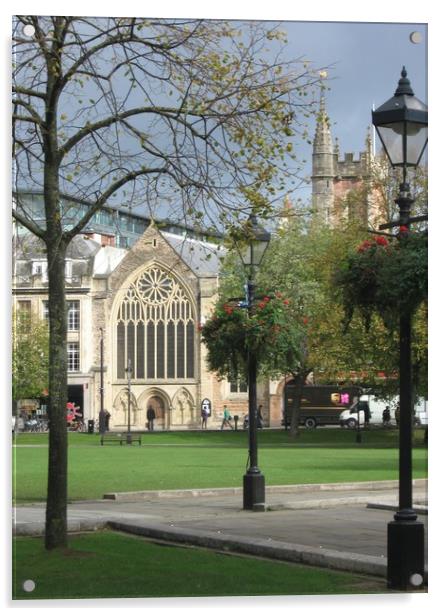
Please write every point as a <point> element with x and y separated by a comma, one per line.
<point>155,328</point>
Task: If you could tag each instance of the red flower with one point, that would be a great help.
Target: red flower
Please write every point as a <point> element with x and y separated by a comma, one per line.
<point>262,305</point>
<point>404,229</point>
<point>366,244</point>
<point>381,241</point>
<point>305,320</point>
<point>266,299</point>
<point>286,302</point>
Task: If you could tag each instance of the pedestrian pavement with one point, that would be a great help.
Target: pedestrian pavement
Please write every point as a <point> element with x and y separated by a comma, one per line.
<point>341,526</point>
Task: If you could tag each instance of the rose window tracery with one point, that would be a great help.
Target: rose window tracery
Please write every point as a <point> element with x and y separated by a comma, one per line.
<point>155,286</point>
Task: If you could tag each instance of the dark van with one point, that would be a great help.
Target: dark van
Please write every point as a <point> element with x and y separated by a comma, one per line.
<point>320,405</point>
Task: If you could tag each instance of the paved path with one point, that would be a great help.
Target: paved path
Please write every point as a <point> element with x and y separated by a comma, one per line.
<point>344,528</point>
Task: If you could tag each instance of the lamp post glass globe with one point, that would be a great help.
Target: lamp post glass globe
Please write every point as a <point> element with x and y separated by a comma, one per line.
<point>258,238</point>
<point>401,124</point>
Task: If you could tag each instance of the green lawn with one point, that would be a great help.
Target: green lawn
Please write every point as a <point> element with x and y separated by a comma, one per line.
<point>111,565</point>
<point>169,460</point>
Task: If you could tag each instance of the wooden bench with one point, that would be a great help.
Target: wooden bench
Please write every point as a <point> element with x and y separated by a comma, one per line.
<point>119,438</point>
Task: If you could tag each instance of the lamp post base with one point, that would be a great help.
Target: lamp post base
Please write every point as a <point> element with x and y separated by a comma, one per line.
<point>405,555</point>
<point>128,438</point>
<point>254,490</point>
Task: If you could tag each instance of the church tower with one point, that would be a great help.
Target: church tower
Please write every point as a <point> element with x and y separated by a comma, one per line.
<point>342,185</point>
<point>323,168</point>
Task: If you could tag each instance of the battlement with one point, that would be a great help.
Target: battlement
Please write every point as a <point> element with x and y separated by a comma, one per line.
<point>349,167</point>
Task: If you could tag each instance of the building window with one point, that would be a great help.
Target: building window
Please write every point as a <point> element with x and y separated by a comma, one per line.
<point>24,306</point>
<point>73,357</point>
<point>73,314</point>
<point>122,241</point>
<point>238,387</point>
<point>68,270</point>
<point>45,310</point>
<point>73,321</point>
<point>40,268</point>
<point>155,328</point>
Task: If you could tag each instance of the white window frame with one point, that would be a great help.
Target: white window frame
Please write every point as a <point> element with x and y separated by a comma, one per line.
<point>73,314</point>
<point>40,268</point>
<point>74,357</point>
<point>45,310</point>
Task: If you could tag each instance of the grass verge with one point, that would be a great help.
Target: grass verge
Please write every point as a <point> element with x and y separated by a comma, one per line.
<point>112,565</point>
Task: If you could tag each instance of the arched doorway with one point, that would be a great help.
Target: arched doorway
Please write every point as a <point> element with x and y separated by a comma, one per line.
<point>160,411</point>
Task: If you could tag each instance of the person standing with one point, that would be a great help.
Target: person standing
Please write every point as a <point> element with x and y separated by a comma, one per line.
<point>102,422</point>
<point>204,418</point>
<point>259,416</point>
<point>386,416</point>
<point>226,418</point>
<point>107,420</point>
<point>397,415</point>
<point>150,418</point>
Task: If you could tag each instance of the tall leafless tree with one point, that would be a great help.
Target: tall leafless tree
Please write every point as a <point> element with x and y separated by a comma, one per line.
<point>195,119</point>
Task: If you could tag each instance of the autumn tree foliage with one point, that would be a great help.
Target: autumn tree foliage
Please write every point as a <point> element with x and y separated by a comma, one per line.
<point>29,356</point>
<point>195,119</point>
<point>303,260</point>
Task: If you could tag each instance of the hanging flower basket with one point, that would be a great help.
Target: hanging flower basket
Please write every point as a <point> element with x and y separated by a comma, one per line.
<point>231,332</point>
<point>386,278</point>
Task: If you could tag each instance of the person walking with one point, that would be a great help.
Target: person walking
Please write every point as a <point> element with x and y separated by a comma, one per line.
<point>226,418</point>
<point>150,418</point>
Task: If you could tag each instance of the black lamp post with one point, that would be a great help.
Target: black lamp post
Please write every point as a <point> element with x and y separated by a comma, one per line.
<point>252,255</point>
<point>129,371</point>
<point>401,123</point>
<point>101,360</point>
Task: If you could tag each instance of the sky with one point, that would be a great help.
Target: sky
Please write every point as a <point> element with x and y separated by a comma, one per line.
<point>363,62</point>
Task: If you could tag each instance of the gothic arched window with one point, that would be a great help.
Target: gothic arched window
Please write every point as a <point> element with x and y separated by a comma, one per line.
<point>155,328</point>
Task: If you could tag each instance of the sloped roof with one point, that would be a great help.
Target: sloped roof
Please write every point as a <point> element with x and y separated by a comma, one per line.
<point>107,260</point>
<point>203,258</point>
<point>31,247</point>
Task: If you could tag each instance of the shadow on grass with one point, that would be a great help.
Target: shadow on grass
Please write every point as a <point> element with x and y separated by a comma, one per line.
<point>320,437</point>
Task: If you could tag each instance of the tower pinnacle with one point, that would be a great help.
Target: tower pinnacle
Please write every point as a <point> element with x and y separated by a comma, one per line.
<point>323,166</point>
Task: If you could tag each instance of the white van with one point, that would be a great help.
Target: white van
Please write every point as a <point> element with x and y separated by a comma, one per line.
<point>367,402</point>
<point>375,406</point>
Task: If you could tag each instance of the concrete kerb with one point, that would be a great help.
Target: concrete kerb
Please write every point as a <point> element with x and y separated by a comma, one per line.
<point>276,550</point>
<point>300,488</point>
<point>36,529</point>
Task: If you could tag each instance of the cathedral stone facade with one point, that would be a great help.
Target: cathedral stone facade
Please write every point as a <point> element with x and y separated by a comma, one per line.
<point>145,306</point>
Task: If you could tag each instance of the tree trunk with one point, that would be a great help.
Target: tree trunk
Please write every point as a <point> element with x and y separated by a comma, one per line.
<point>56,247</point>
<point>299,380</point>
<point>56,508</point>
